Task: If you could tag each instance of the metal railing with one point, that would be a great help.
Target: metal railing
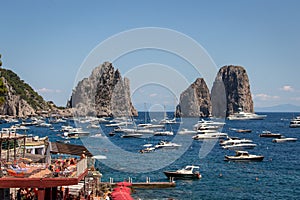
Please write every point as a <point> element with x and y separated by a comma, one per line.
<point>81,166</point>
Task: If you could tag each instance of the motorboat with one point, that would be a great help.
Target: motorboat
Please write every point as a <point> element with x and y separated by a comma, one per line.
<point>166,144</point>
<point>284,139</point>
<point>234,140</point>
<point>243,130</point>
<point>189,172</point>
<point>186,131</point>
<point>269,134</point>
<point>212,135</point>
<point>295,122</point>
<point>239,146</point>
<point>147,150</point>
<point>132,135</point>
<point>153,126</point>
<point>241,115</point>
<point>244,156</point>
<point>163,133</point>
<point>208,124</point>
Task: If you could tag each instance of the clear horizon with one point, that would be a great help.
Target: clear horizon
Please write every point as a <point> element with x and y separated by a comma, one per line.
<point>46,42</point>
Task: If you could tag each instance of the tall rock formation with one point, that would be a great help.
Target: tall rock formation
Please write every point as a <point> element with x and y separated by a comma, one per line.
<point>231,88</point>
<point>103,93</point>
<point>195,101</point>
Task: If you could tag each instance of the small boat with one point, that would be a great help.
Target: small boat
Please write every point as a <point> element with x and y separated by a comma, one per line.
<point>186,131</point>
<point>112,133</point>
<point>188,172</point>
<point>163,133</point>
<point>269,134</point>
<point>243,130</point>
<point>165,144</point>
<point>212,135</point>
<point>244,156</point>
<point>132,135</point>
<point>147,150</point>
<point>97,135</point>
<point>295,122</point>
<point>284,139</point>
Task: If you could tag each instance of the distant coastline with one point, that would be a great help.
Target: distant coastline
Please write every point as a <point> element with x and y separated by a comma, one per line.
<point>279,108</point>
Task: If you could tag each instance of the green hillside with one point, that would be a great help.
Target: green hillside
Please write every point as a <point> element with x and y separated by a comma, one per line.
<point>21,89</point>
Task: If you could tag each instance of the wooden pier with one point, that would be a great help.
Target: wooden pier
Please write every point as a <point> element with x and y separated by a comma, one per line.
<point>145,185</point>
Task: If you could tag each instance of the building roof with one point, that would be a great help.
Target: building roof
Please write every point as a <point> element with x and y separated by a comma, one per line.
<point>71,149</point>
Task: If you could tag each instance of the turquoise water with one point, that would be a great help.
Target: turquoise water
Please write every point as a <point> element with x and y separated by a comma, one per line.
<point>276,177</point>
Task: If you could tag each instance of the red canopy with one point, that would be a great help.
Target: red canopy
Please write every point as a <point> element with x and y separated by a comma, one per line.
<point>121,196</point>
<point>124,183</point>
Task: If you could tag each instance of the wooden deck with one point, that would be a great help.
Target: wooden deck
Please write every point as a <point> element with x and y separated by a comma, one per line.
<point>145,185</point>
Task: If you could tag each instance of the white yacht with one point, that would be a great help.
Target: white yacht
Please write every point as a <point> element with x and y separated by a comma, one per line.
<point>162,133</point>
<point>165,144</point>
<point>284,139</point>
<point>295,122</point>
<point>239,146</point>
<point>232,140</point>
<point>186,131</point>
<point>212,135</point>
<point>241,115</point>
<point>208,124</point>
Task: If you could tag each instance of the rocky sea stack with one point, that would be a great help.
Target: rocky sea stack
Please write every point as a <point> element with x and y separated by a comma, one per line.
<point>232,83</point>
<point>104,93</point>
<point>195,101</point>
<point>230,92</point>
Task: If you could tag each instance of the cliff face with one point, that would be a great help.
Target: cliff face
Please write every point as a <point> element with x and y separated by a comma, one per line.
<point>104,93</point>
<point>231,88</point>
<point>195,101</point>
<point>17,98</point>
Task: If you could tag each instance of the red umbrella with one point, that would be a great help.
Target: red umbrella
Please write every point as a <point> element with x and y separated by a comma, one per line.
<point>124,184</point>
<point>121,196</point>
<point>122,189</point>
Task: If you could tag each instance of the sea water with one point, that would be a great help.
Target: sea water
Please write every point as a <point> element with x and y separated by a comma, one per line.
<point>276,177</point>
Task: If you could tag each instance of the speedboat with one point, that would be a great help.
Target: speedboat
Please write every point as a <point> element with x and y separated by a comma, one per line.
<point>234,140</point>
<point>243,156</point>
<point>243,130</point>
<point>269,134</point>
<point>162,133</point>
<point>295,122</point>
<point>241,115</point>
<point>166,144</point>
<point>186,131</point>
<point>131,135</point>
<point>211,135</point>
<point>188,172</point>
<point>208,124</point>
<point>284,139</point>
<point>147,150</point>
<point>239,146</point>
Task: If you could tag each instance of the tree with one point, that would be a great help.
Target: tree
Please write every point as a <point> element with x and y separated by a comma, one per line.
<point>0,61</point>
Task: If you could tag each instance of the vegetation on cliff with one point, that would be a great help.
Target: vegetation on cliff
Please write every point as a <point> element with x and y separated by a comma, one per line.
<point>21,89</point>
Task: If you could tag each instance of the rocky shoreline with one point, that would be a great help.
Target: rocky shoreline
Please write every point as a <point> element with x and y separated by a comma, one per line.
<point>105,94</point>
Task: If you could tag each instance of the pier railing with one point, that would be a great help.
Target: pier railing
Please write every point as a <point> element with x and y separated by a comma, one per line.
<point>81,166</point>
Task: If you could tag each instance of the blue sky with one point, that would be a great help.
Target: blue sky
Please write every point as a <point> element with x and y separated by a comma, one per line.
<point>45,42</point>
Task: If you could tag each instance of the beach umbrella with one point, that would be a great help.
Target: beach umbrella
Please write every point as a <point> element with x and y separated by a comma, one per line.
<point>121,196</point>
<point>124,184</point>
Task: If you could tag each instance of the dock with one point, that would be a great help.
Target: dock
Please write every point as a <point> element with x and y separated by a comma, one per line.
<point>145,185</point>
